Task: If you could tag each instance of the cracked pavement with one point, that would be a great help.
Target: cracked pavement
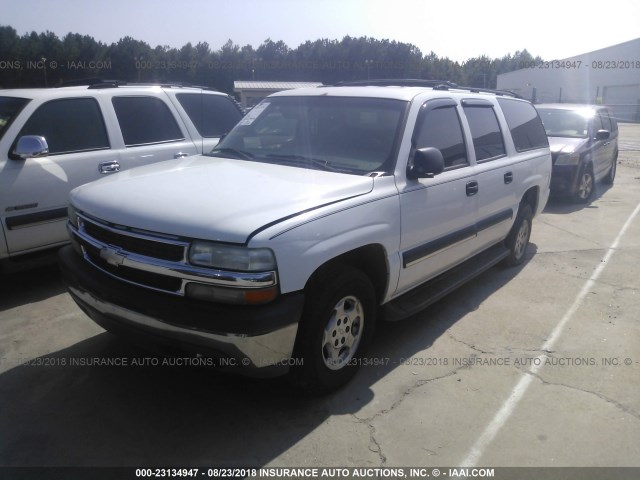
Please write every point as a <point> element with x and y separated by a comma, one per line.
<point>434,383</point>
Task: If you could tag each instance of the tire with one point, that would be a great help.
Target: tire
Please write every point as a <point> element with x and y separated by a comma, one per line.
<point>518,239</point>
<point>586,184</point>
<point>336,328</point>
<point>612,172</point>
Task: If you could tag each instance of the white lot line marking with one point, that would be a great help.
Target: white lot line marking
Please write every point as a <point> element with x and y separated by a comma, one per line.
<point>520,389</point>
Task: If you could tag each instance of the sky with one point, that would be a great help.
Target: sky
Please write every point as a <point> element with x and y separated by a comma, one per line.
<point>458,29</point>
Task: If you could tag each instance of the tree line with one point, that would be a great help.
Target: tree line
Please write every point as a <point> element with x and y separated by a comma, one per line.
<point>43,59</point>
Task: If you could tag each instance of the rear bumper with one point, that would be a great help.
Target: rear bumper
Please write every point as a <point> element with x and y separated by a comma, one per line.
<point>255,341</point>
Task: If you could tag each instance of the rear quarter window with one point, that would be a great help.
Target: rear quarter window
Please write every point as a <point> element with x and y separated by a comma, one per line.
<point>524,124</point>
<point>212,115</point>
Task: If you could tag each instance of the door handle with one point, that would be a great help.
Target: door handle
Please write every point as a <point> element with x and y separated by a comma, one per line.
<point>508,177</point>
<point>180,155</point>
<point>472,188</point>
<point>109,167</point>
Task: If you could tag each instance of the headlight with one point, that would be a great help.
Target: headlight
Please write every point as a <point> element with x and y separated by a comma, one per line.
<point>230,257</point>
<point>568,159</point>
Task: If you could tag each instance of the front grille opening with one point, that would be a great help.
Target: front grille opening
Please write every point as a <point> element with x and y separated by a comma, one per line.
<point>141,246</point>
<point>140,277</point>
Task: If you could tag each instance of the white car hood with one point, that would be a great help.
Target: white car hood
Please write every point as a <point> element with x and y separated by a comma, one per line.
<point>212,198</point>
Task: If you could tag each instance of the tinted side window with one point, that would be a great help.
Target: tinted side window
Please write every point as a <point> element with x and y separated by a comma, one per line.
<point>441,129</point>
<point>487,137</point>
<point>524,123</point>
<point>69,125</point>
<point>597,124</point>
<point>213,115</point>
<point>606,123</point>
<point>145,120</point>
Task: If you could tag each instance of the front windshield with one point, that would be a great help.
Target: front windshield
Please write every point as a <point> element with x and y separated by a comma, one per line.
<point>566,123</point>
<point>343,134</point>
<point>9,109</point>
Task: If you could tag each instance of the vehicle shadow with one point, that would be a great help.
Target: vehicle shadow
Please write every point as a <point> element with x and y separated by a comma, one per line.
<point>28,286</point>
<point>65,409</point>
<point>564,205</point>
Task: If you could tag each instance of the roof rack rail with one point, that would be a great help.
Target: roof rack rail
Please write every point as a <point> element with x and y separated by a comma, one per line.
<point>417,82</point>
<point>91,81</point>
<point>97,83</point>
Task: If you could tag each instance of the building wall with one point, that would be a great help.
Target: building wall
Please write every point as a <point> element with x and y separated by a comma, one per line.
<point>610,76</point>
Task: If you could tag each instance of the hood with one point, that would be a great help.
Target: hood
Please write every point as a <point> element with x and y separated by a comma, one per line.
<point>566,144</point>
<point>212,198</point>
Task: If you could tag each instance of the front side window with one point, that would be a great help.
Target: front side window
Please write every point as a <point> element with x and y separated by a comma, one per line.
<point>145,120</point>
<point>524,123</point>
<point>343,134</point>
<point>440,128</point>
<point>485,130</point>
<point>68,125</point>
<point>212,115</point>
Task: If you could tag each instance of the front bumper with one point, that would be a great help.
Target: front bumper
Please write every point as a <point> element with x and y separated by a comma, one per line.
<point>564,179</point>
<point>254,340</point>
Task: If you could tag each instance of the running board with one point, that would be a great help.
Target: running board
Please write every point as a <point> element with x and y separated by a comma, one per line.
<point>424,295</point>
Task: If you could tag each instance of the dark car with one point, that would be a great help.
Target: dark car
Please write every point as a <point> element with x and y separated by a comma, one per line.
<point>584,147</point>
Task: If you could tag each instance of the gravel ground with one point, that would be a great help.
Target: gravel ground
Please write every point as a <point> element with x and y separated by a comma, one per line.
<point>629,142</point>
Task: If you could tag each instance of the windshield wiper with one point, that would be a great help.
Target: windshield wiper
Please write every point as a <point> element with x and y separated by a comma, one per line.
<point>224,152</point>
<point>304,161</point>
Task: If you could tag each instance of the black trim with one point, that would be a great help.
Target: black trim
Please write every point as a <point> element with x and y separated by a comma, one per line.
<point>447,241</point>
<point>441,243</point>
<point>494,220</point>
<point>476,102</point>
<point>21,221</point>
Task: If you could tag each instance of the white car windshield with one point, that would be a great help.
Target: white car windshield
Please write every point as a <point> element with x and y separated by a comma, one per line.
<point>344,134</point>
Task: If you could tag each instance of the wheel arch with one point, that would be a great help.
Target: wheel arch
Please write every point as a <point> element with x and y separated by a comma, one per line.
<point>532,198</point>
<point>369,259</point>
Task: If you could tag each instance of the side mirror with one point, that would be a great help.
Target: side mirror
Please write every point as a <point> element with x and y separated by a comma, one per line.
<point>427,162</point>
<point>602,135</point>
<point>31,146</point>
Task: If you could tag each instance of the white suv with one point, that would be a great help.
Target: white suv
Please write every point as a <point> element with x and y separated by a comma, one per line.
<point>53,140</point>
<point>322,209</point>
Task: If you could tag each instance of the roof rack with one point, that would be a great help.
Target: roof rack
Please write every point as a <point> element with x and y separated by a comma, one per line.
<point>97,83</point>
<point>417,82</point>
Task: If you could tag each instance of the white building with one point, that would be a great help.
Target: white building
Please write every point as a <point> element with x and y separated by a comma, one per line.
<point>610,76</point>
<point>253,92</point>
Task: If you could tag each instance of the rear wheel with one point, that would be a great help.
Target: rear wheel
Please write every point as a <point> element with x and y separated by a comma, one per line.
<point>586,184</point>
<point>336,328</point>
<point>518,239</point>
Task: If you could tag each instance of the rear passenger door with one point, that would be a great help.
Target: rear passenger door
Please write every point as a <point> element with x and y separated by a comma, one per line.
<point>150,131</point>
<point>438,215</point>
<point>495,172</point>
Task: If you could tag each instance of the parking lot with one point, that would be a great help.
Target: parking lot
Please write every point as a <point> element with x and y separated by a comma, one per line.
<point>533,366</point>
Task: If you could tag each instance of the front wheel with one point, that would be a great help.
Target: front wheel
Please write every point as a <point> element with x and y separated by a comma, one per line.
<point>518,239</point>
<point>586,183</point>
<point>337,326</point>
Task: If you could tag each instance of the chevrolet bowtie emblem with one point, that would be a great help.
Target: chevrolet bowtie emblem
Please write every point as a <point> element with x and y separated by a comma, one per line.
<point>112,257</point>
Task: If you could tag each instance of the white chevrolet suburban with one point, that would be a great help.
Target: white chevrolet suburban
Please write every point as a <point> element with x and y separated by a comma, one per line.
<point>55,139</point>
<point>322,210</point>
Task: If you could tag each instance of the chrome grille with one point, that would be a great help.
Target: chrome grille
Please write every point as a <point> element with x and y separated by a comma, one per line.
<point>135,244</point>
